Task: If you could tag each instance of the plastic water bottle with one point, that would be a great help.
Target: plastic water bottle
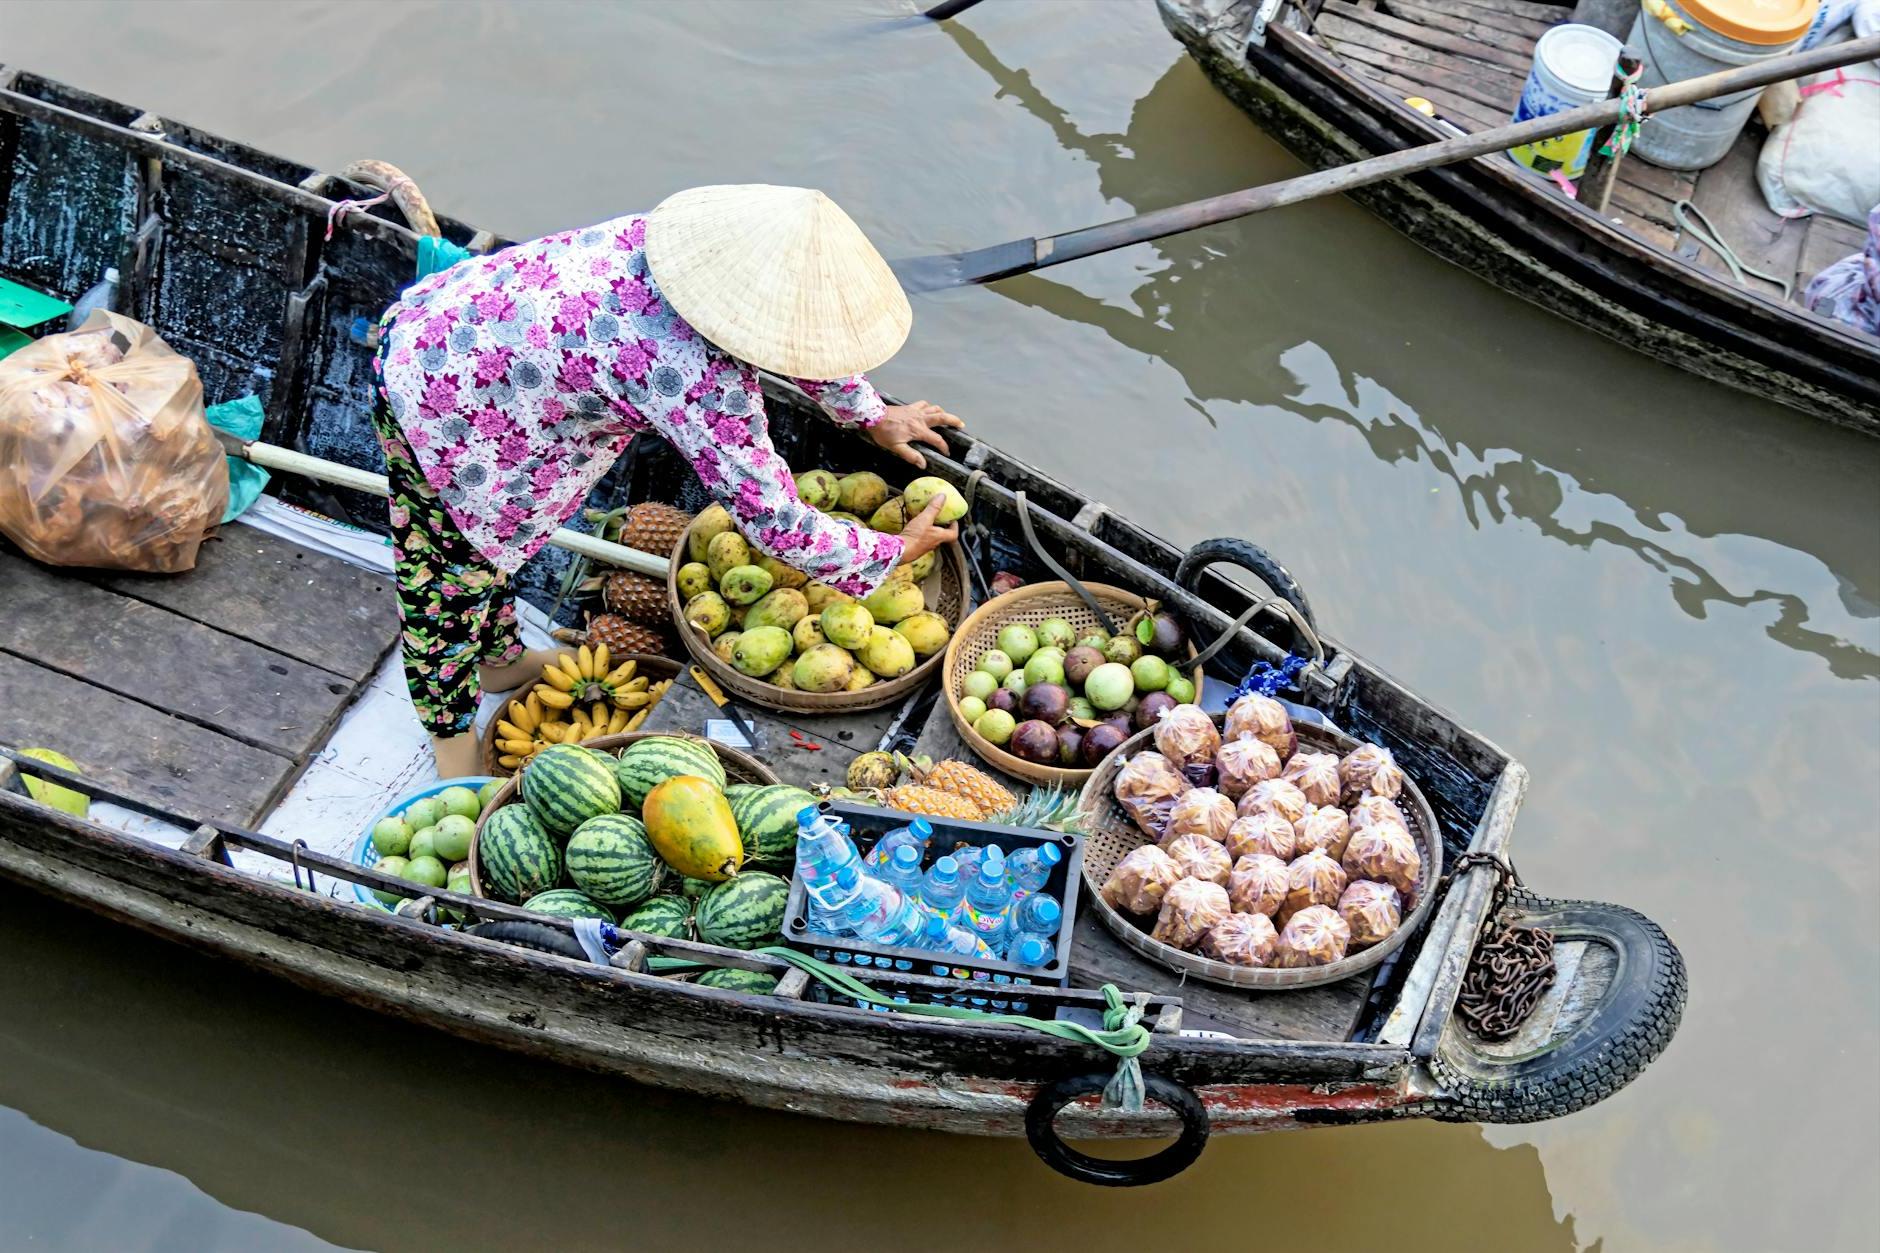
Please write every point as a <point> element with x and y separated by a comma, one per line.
<point>822,852</point>
<point>1038,914</point>
<point>914,835</point>
<point>968,860</point>
<point>880,914</point>
<point>943,887</point>
<point>1031,951</point>
<point>1031,868</point>
<point>988,901</point>
<point>843,886</point>
<point>944,937</point>
<point>102,295</point>
<point>903,871</point>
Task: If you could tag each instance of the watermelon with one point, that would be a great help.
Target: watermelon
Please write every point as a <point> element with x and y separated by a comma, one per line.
<point>649,762</point>
<point>745,912</point>
<point>738,981</point>
<point>568,903</point>
<point>516,856</point>
<point>692,889</point>
<point>611,859</point>
<point>663,915</point>
<point>565,785</point>
<point>766,818</point>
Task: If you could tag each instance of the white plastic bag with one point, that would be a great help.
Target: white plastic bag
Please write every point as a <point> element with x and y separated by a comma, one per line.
<point>1825,159</point>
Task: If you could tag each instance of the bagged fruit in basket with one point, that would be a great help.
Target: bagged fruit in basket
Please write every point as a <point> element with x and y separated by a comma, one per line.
<point>1147,788</point>
<point>1200,858</point>
<point>1189,910</point>
<point>1371,810</point>
<point>1140,880</point>
<point>1241,940</point>
<point>106,459</point>
<point>1312,879</point>
<point>1200,811</point>
<point>1277,796</point>
<point>1386,853</point>
<point>1314,774</point>
<point>1258,884</point>
<point>1372,911</point>
<point>1242,763</point>
<point>1315,936</point>
<point>1263,832</point>
<point>1187,737</point>
<point>1325,827</point>
<point>1264,719</point>
<point>1370,769</point>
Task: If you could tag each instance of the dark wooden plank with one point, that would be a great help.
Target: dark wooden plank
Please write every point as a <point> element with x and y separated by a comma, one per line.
<point>156,758</point>
<point>1643,227</point>
<point>1511,31</point>
<point>1430,38</point>
<point>1353,40</point>
<point>313,608</point>
<point>1470,115</point>
<point>1485,92</point>
<point>166,661</point>
<point>1827,240</point>
<point>1671,184</point>
<point>1640,203</point>
<point>1543,14</point>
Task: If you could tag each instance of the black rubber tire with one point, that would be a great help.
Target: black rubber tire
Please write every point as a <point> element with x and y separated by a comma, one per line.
<point>1041,1131</point>
<point>1607,1050</point>
<point>541,936</point>
<point>1249,556</point>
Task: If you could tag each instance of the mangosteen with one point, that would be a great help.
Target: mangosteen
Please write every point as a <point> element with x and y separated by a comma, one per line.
<point>1120,721</point>
<point>1150,709</point>
<point>1046,702</point>
<point>1099,741</point>
<point>1159,633</point>
<point>1005,698</point>
<point>1034,741</point>
<point>1070,741</point>
<point>1079,662</point>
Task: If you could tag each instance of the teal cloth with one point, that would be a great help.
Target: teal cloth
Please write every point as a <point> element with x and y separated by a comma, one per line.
<point>242,419</point>
<point>436,254</point>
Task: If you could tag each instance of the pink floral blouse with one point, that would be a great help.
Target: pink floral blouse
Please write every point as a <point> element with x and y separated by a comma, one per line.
<point>519,377</point>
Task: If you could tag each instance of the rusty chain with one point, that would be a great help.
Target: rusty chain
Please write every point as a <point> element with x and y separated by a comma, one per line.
<point>1512,967</point>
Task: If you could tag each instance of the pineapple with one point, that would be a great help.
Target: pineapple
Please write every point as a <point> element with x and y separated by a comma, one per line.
<point>915,798</point>
<point>653,528</point>
<point>969,783</point>
<point>623,637</point>
<point>636,598</point>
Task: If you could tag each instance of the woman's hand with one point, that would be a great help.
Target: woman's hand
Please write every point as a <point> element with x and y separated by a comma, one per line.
<point>922,534</point>
<point>903,426</point>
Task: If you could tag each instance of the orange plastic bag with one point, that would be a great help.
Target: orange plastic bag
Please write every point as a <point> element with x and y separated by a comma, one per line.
<point>106,459</point>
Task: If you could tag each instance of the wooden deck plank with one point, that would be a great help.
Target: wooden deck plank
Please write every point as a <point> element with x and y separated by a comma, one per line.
<point>1483,90</point>
<point>1826,241</point>
<point>1496,82</point>
<point>1639,202</point>
<point>1444,41</point>
<point>1545,14</point>
<point>313,608</point>
<point>1470,115</point>
<point>1507,31</point>
<point>1728,195</point>
<point>167,661</point>
<point>1671,184</point>
<point>137,750</point>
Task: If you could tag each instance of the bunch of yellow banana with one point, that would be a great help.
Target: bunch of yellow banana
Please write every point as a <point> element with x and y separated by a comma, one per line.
<point>599,719</point>
<point>583,679</point>
<point>530,727</point>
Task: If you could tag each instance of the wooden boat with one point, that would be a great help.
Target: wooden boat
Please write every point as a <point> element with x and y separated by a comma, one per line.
<point>1328,78</point>
<point>201,697</point>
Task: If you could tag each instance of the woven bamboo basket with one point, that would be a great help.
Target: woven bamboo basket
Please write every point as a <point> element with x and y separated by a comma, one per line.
<point>1031,605</point>
<point>1110,834</point>
<point>655,668</point>
<point>739,768</point>
<point>946,594</point>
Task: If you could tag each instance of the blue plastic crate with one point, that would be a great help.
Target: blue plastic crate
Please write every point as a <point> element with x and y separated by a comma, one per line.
<point>364,854</point>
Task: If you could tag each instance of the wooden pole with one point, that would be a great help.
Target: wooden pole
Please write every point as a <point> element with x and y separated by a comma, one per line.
<point>1602,171</point>
<point>1020,256</point>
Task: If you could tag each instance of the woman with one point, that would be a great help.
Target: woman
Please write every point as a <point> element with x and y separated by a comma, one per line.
<point>508,384</point>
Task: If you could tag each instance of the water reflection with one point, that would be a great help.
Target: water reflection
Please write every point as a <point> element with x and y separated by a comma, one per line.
<point>1688,524</point>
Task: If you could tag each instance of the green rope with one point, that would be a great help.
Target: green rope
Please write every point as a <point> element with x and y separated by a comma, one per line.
<point>1123,1036</point>
<point>1710,237</point>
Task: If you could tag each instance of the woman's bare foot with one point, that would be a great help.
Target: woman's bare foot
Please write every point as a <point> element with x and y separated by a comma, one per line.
<point>456,755</point>
<point>514,674</point>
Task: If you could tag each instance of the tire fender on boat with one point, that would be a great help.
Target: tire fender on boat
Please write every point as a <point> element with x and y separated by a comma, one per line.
<point>1248,556</point>
<point>1592,1058</point>
<point>543,937</point>
<point>1041,1131</point>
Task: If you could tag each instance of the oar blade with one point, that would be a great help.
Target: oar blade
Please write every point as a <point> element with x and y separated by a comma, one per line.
<point>958,269</point>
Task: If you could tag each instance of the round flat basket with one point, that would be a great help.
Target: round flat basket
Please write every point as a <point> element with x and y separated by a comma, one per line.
<point>1110,834</point>
<point>1030,604</point>
<point>365,854</point>
<point>739,768</point>
<point>945,591</point>
<point>656,668</point>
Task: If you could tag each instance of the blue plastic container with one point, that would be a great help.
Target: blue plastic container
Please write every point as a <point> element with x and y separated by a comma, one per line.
<point>363,854</point>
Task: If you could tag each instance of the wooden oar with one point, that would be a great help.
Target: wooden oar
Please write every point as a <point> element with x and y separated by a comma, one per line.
<point>948,8</point>
<point>1023,255</point>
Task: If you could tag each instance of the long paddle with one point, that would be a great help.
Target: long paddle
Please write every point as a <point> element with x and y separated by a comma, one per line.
<point>1021,256</point>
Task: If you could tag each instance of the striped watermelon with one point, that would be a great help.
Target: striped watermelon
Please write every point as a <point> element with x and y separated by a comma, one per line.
<point>568,903</point>
<point>692,889</point>
<point>663,915</point>
<point>745,912</point>
<point>738,981</point>
<point>516,856</point>
<point>565,785</point>
<point>766,818</point>
<point>649,762</point>
<point>611,859</point>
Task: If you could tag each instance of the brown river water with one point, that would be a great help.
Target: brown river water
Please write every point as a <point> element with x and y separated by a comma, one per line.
<point>1663,596</point>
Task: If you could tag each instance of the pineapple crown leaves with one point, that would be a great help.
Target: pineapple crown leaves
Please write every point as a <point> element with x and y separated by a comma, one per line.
<point>1046,809</point>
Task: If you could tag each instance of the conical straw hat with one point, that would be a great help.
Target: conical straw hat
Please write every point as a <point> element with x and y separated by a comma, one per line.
<point>778,276</point>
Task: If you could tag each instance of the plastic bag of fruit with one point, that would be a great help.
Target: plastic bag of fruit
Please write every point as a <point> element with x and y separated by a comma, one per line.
<point>1312,879</point>
<point>1314,774</point>
<point>1258,884</point>
<point>1241,940</point>
<point>1242,763</point>
<point>1189,911</point>
<point>106,459</point>
<point>1200,811</point>
<point>1315,936</point>
<point>1262,832</point>
<point>1370,770</point>
<point>1372,910</point>
<point>1141,879</point>
<point>1276,795</point>
<point>1200,858</point>
<point>1384,852</point>
<point>1147,788</point>
<point>1187,736</point>
<point>1324,826</point>
<point>1261,718</point>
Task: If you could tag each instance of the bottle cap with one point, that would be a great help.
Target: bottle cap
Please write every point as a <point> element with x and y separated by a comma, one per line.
<point>848,876</point>
<point>906,855</point>
<point>1033,952</point>
<point>921,827</point>
<point>949,867</point>
<point>936,928</point>
<point>1050,854</point>
<point>806,816</point>
<point>1047,911</point>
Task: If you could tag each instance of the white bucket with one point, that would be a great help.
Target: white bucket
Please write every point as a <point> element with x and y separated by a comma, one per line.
<point>1699,135</point>
<point>1573,66</point>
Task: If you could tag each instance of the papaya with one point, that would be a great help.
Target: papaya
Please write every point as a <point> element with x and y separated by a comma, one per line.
<point>690,825</point>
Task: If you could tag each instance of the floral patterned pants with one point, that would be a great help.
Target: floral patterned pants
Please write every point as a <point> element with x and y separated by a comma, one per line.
<point>455,611</point>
